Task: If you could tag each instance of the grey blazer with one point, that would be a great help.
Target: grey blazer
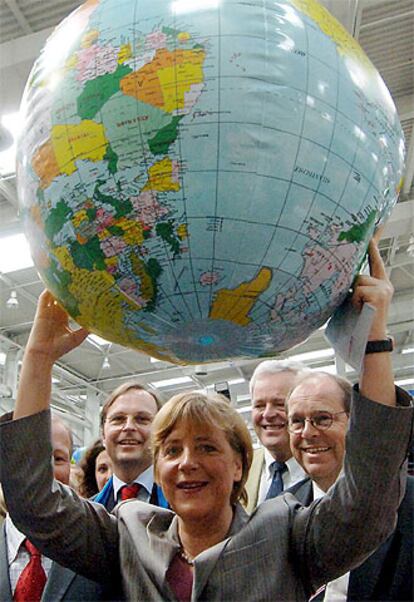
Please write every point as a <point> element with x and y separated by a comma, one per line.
<point>62,584</point>
<point>388,574</point>
<point>283,551</point>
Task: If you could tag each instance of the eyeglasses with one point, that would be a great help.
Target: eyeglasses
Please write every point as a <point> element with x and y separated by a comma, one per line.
<point>320,421</point>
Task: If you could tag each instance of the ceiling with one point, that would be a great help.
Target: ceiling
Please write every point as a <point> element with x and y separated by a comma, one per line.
<point>385,29</point>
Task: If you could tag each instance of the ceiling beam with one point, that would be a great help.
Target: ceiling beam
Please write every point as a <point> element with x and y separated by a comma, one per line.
<point>19,16</point>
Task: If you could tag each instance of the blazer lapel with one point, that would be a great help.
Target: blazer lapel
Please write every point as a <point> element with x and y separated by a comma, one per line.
<point>58,583</point>
<point>162,531</point>
<point>5,587</point>
<point>303,492</point>
<point>207,560</point>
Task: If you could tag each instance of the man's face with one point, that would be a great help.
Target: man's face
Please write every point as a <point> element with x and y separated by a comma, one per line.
<point>61,446</point>
<point>126,433</point>
<point>319,452</point>
<point>268,412</point>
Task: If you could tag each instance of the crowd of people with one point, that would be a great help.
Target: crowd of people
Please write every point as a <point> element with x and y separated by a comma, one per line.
<point>176,505</point>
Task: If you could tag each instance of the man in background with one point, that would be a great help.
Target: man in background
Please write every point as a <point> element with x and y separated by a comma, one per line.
<point>273,469</point>
<point>25,575</point>
<point>126,421</point>
<point>318,410</point>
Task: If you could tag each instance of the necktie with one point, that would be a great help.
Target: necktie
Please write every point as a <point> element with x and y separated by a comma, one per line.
<point>130,491</point>
<point>32,580</point>
<point>276,486</point>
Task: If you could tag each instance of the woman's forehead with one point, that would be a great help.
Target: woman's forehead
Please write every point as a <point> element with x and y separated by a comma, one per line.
<point>194,427</point>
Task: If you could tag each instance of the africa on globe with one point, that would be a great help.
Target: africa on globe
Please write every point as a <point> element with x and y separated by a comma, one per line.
<point>200,180</point>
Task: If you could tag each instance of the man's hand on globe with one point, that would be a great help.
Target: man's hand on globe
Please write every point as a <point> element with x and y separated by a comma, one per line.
<point>375,289</point>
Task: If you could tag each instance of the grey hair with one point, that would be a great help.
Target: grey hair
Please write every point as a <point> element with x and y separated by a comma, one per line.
<point>276,366</point>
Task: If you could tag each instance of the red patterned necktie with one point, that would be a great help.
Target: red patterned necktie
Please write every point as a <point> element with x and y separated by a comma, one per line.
<point>32,580</point>
<point>129,491</point>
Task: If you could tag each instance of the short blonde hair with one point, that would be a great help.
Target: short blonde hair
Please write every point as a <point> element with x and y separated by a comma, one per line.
<point>214,410</point>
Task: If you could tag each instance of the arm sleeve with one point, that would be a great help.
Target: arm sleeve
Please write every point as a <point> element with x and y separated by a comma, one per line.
<point>340,530</point>
<point>74,532</point>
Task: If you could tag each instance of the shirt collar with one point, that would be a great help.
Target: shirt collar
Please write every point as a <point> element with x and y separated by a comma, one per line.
<point>295,470</point>
<point>145,479</point>
<point>14,540</point>
<point>317,491</point>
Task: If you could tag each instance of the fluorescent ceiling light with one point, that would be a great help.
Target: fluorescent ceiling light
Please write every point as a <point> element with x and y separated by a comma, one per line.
<point>14,253</point>
<point>13,123</point>
<point>313,355</point>
<point>236,381</point>
<point>404,381</point>
<point>170,382</point>
<point>98,340</point>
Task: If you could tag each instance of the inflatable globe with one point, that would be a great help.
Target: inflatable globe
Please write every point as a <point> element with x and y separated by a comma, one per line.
<point>199,180</point>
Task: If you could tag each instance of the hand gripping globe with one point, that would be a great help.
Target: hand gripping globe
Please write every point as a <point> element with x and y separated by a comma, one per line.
<point>199,180</point>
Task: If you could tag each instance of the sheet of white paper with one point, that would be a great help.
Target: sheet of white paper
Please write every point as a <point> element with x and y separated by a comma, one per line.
<point>347,331</point>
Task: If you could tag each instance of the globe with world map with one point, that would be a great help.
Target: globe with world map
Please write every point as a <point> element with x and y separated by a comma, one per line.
<point>199,180</point>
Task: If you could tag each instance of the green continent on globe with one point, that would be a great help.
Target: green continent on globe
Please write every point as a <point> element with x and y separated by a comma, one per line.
<point>99,90</point>
<point>112,159</point>
<point>166,136</point>
<point>358,232</point>
<point>167,232</point>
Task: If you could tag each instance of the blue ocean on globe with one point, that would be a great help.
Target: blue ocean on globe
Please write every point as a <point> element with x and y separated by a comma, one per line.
<point>200,180</point>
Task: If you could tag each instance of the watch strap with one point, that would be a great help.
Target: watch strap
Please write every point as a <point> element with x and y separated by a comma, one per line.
<point>380,346</point>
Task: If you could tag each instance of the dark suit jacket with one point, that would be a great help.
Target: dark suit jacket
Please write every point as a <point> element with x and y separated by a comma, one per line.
<point>62,584</point>
<point>388,573</point>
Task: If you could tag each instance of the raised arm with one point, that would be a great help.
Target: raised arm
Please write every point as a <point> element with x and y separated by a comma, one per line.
<point>74,532</point>
<point>50,338</point>
<point>359,512</point>
<point>377,379</point>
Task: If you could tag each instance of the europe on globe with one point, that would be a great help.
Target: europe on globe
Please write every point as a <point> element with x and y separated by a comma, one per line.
<point>200,180</point>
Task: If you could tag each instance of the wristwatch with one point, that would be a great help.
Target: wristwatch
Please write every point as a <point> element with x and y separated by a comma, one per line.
<point>380,346</point>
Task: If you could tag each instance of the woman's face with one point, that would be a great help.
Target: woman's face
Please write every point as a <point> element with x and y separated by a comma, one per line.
<point>103,469</point>
<point>196,468</point>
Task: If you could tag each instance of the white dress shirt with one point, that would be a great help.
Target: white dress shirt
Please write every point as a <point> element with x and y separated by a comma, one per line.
<point>337,590</point>
<point>17,555</point>
<point>292,475</point>
<point>145,480</point>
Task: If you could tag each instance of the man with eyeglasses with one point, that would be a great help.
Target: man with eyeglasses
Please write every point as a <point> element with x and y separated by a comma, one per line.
<point>318,410</point>
<point>126,420</point>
